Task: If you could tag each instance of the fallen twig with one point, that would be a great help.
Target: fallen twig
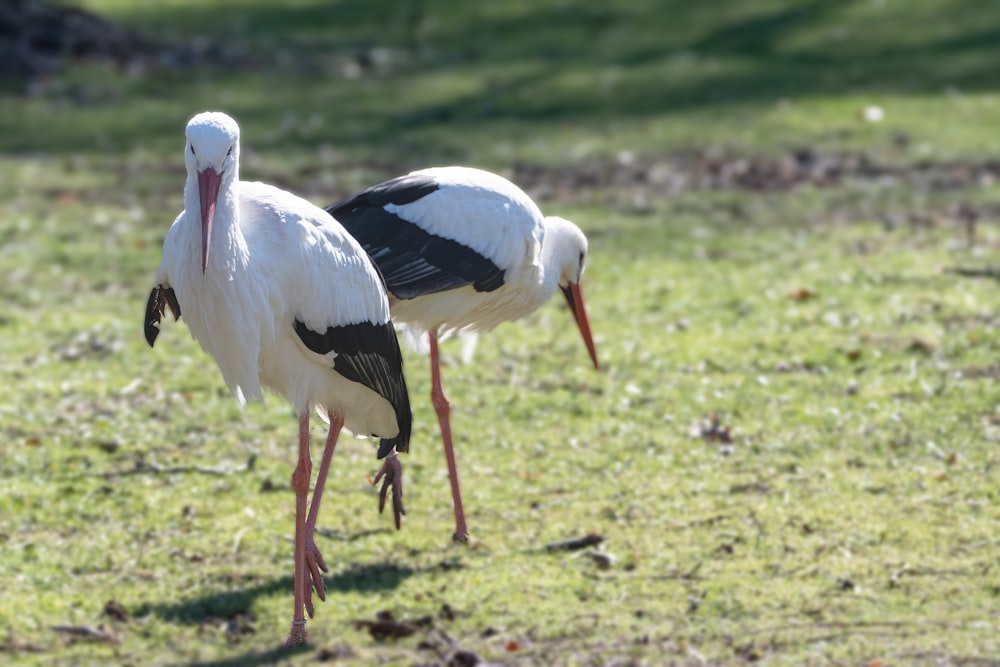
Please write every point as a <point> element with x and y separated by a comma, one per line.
<point>974,272</point>
<point>698,523</point>
<point>88,633</point>
<point>976,545</point>
<point>349,537</point>
<point>867,627</point>
<point>685,576</point>
<point>145,468</point>
<point>591,540</point>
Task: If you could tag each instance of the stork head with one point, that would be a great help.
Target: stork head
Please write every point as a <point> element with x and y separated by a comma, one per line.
<point>569,257</point>
<point>212,156</point>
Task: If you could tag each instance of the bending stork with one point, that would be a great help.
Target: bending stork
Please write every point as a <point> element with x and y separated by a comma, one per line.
<point>463,248</point>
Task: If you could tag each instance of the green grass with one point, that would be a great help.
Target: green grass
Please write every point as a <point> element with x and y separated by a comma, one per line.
<point>853,518</point>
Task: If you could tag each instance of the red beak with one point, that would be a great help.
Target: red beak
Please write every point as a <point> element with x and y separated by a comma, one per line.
<point>209,181</point>
<point>574,297</point>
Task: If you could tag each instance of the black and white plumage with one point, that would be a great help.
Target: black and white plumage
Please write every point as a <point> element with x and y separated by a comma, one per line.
<point>283,297</point>
<point>465,249</point>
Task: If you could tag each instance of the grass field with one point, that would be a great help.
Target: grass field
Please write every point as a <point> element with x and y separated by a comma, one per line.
<point>760,255</point>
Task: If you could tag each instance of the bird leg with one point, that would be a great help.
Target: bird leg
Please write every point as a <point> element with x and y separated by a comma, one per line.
<point>313,558</point>
<point>443,409</point>
<point>392,471</point>
<point>300,484</point>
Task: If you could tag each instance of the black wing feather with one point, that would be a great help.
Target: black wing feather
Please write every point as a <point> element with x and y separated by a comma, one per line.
<point>369,354</point>
<point>159,299</point>
<point>413,262</point>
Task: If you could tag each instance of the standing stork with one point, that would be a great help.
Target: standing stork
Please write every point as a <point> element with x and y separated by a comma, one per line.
<point>284,298</point>
<point>465,249</point>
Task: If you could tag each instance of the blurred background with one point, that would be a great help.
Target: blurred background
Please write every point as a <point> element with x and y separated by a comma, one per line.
<point>422,81</point>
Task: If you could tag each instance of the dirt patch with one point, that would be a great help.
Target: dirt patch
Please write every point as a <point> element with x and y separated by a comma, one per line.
<point>718,168</point>
<point>874,188</point>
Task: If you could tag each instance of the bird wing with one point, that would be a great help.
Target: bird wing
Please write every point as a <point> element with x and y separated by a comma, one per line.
<point>369,354</point>
<point>162,295</point>
<point>333,293</point>
<point>160,298</point>
<point>441,229</point>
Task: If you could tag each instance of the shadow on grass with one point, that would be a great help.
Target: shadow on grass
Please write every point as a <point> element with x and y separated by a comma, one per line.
<point>255,657</point>
<point>228,604</point>
<point>547,69</point>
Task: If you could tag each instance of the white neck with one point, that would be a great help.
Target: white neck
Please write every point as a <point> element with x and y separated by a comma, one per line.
<point>228,248</point>
<point>557,253</point>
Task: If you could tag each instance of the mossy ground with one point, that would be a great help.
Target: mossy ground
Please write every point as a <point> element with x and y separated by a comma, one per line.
<point>852,519</point>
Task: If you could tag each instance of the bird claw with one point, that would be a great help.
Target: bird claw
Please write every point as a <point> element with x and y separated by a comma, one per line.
<point>391,475</point>
<point>315,566</point>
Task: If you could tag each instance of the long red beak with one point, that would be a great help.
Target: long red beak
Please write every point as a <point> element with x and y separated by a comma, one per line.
<point>209,181</point>
<point>574,297</point>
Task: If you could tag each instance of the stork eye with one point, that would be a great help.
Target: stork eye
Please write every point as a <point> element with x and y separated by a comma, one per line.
<point>192,149</point>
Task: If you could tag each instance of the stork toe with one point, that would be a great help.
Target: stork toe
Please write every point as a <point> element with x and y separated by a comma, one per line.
<point>316,567</point>
<point>391,475</point>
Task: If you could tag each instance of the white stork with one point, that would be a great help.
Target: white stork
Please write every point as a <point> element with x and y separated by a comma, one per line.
<point>284,298</point>
<point>465,249</point>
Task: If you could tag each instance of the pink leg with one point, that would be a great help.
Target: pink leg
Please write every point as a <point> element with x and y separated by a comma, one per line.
<point>300,484</point>
<point>314,559</point>
<point>443,409</point>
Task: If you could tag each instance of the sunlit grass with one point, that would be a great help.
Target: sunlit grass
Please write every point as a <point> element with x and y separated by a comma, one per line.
<point>853,516</point>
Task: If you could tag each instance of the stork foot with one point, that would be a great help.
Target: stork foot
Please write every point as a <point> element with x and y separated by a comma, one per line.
<point>297,635</point>
<point>315,567</point>
<point>391,475</point>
